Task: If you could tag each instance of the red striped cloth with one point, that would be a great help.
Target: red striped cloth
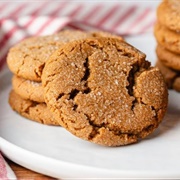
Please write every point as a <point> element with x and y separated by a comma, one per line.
<point>19,20</point>
<point>5,170</point>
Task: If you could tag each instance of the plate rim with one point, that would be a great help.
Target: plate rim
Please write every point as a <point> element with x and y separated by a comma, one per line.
<point>75,168</point>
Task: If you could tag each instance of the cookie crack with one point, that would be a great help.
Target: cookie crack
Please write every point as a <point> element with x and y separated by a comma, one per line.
<point>72,95</point>
<point>87,71</point>
<point>131,82</point>
<point>96,131</point>
<point>133,74</point>
<point>75,92</point>
<point>60,96</point>
<point>63,123</point>
<point>124,53</point>
<point>19,69</point>
<point>33,104</point>
<point>38,71</point>
<point>152,107</point>
<point>131,78</point>
<point>95,128</point>
<point>86,76</point>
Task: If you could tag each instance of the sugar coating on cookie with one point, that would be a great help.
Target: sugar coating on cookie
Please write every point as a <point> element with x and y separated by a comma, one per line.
<point>167,38</point>
<point>102,90</point>
<point>27,89</point>
<point>168,14</point>
<point>27,59</point>
<point>32,110</point>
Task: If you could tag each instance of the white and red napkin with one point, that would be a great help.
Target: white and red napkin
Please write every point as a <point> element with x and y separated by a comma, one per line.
<point>19,19</point>
<point>6,172</point>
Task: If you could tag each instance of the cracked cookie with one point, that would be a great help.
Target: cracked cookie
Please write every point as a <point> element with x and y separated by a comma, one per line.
<point>27,59</point>
<point>168,14</point>
<point>169,59</point>
<point>104,91</point>
<point>32,110</point>
<point>172,77</point>
<point>28,89</point>
<point>167,38</point>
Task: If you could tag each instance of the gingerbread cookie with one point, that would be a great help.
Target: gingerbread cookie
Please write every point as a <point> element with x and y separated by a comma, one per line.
<point>168,14</point>
<point>168,58</point>
<point>167,38</point>
<point>32,110</point>
<point>171,76</point>
<point>27,58</point>
<point>102,90</point>
<point>27,89</point>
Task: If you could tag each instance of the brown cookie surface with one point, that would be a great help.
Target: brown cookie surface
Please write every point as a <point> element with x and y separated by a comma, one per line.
<point>27,58</point>
<point>176,84</point>
<point>168,58</point>
<point>27,89</point>
<point>32,110</point>
<point>102,90</point>
<point>168,14</point>
<point>167,38</point>
<point>171,76</point>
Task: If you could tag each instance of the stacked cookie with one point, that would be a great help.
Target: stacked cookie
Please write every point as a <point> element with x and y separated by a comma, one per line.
<point>26,60</point>
<point>167,33</point>
<point>99,88</point>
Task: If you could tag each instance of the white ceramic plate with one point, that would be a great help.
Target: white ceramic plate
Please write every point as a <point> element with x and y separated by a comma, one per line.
<point>55,152</point>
